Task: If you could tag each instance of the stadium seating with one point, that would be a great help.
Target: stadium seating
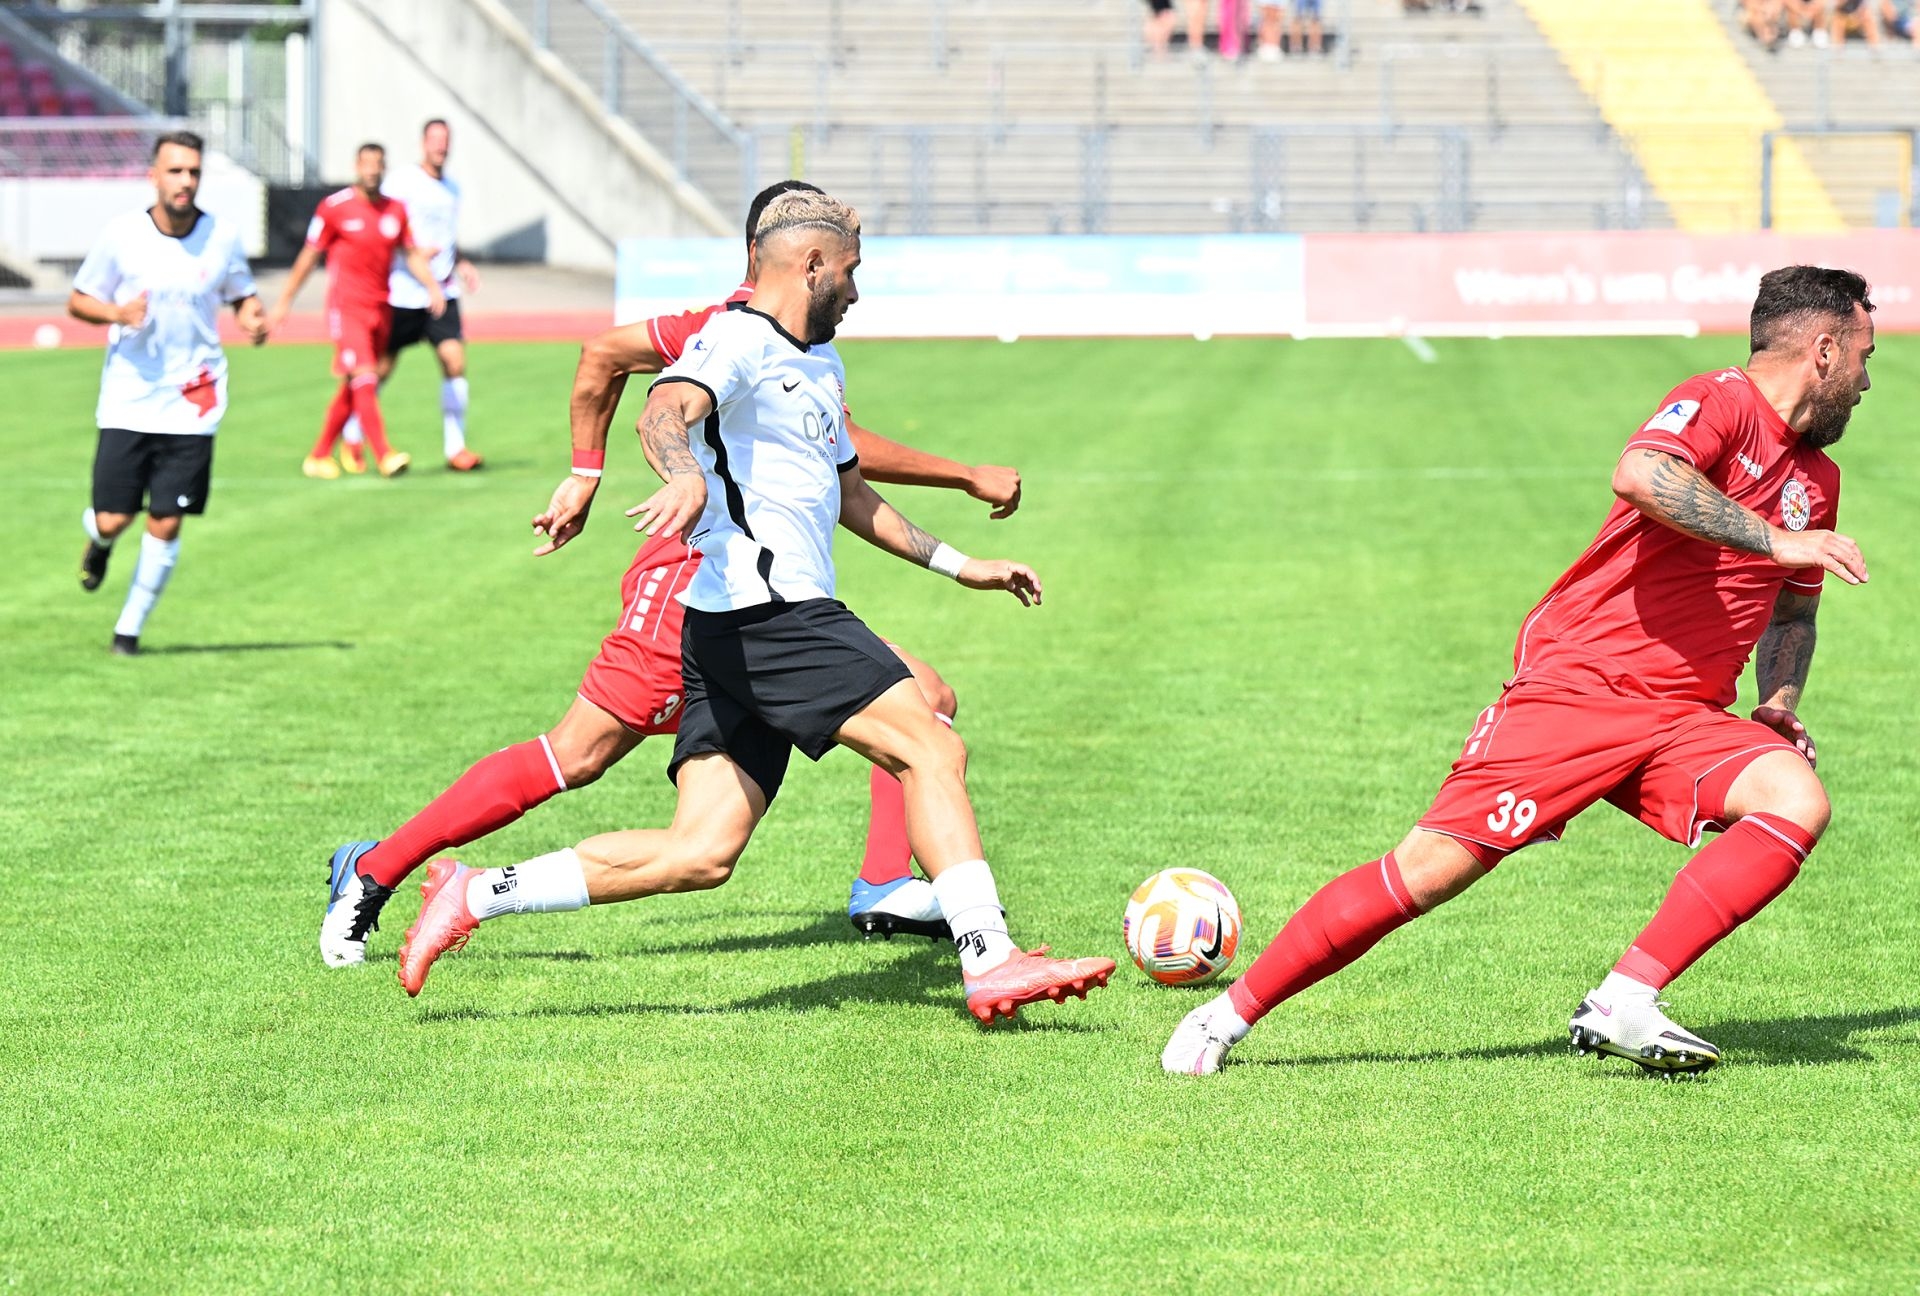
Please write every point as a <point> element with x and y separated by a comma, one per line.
<point>947,116</point>
<point>38,92</point>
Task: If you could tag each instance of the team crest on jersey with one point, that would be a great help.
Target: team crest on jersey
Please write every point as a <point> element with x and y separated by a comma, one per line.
<point>1796,508</point>
<point>389,226</point>
<point>1674,418</point>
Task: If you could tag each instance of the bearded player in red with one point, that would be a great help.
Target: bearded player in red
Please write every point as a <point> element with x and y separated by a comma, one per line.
<point>1720,540</point>
<point>358,229</point>
<point>632,688</point>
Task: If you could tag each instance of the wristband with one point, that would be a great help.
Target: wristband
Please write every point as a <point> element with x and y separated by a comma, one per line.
<point>948,561</point>
<point>589,463</point>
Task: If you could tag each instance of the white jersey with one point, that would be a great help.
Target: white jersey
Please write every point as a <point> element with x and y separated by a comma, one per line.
<point>773,451</point>
<point>168,375</point>
<point>433,209</point>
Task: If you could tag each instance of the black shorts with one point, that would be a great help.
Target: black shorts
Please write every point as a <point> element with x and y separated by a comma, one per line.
<point>410,326</point>
<point>763,680</point>
<point>173,469</point>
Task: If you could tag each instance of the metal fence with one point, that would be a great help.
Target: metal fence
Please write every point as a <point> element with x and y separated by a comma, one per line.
<point>705,149</point>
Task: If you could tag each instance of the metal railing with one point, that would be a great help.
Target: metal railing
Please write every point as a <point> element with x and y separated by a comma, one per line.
<point>705,149</point>
<point>1886,196</point>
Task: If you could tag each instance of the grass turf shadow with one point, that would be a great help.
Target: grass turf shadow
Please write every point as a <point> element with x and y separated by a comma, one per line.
<point>172,650</point>
<point>1779,1041</point>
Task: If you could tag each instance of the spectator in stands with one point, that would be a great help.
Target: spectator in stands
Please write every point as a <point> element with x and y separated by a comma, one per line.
<point>1159,26</point>
<point>1232,26</point>
<point>1805,20</point>
<point>1307,31</point>
<point>1855,18</point>
<point>1896,19</point>
<point>1762,19</point>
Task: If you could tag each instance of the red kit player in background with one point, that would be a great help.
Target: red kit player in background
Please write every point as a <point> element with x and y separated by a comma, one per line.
<point>359,230</point>
<point>632,689</point>
<point>1720,540</point>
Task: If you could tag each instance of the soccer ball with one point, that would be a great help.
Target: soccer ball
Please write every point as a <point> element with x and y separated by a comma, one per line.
<point>1182,926</point>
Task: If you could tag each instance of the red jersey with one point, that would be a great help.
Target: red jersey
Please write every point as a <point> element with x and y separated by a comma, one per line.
<point>1649,612</point>
<point>359,238</point>
<point>671,333</point>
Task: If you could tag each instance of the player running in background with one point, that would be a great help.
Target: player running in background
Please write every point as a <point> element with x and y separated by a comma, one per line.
<point>432,200</point>
<point>1720,539</point>
<point>633,688</point>
<point>771,660</point>
<point>159,277</point>
<point>358,229</point>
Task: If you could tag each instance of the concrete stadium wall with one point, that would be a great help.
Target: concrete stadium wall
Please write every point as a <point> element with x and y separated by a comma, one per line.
<point>547,174</point>
<point>58,218</point>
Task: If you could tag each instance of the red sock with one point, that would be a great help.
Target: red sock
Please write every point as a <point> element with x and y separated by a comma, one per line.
<point>366,404</point>
<point>1338,923</point>
<point>335,421</point>
<point>888,857</point>
<point>488,797</point>
<point>1724,885</point>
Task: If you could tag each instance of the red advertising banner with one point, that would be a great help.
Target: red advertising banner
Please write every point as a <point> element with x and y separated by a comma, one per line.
<point>1583,284</point>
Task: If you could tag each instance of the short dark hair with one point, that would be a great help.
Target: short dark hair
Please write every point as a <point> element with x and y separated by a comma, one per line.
<point>1796,295</point>
<point>436,121</point>
<point>371,148</point>
<point>185,139</point>
<point>767,195</point>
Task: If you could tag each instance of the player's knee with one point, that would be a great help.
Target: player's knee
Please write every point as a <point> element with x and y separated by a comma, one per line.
<point>939,753</point>
<point>110,525</point>
<point>703,864</point>
<point>1435,867</point>
<point>938,693</point>
<point>583,763</point>
<point>164,528</point>
<point>1799,799</point>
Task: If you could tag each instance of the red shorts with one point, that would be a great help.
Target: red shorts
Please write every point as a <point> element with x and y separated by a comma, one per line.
<point>360,335</point>
<point>1541,755</point>
<point>636,676</point>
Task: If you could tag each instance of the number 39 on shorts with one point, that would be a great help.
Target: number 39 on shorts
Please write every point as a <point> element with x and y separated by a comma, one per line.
<point>1512,814</point>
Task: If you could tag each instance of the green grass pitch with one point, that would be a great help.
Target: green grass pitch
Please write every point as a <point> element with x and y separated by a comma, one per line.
<point>1282,579</point>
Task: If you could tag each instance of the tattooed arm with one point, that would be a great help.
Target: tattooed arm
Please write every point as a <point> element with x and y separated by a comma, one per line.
<point>1672,491</point>
<point>1780,664</point>
<point>676,506</point>
<point>864,513</point>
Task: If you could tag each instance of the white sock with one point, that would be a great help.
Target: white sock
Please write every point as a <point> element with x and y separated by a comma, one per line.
<point>1618,986</point>
<point>91,523</point>
<point>549,884</point>
<point>352,434</point>
<point>971,903</point>
<point>157,558</point>
<point>453,415</point>
<point>1226,1019</point>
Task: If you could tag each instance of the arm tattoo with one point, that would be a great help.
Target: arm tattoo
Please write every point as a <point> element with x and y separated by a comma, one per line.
<point>663,433</point>
<point>1785,651</point>
<point>920,545</point>
<point>1685,500</point>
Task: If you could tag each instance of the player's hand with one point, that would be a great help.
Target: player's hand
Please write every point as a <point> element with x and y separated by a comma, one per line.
<point>253,321</point>
<point>133,313</point>
<point>436,303</point>
<point>469,275</point>
<point>1788,726</point>
<point>1828,549</point>
<point>1017,579</point>
<point>566,515</point>
<point>277,316</point>
<point>1000,487</point>
<point>673,508</point>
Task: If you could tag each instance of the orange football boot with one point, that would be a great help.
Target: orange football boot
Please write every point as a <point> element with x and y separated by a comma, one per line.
<point>1029,977</point>
<point>464,460</point>
<point>443,925</point>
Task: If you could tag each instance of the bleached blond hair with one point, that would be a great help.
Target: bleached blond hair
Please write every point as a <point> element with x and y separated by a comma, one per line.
<point>800,210</point>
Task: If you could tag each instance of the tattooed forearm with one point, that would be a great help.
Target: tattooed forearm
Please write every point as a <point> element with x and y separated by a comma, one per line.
<point>1785,651</point>
<point>1682,497</point>
<point>919,546</point>
<point>663,434</point>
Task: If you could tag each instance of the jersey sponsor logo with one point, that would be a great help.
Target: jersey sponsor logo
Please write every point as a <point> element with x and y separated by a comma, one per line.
<point>353,226</point>
<point>390,226</point>
<point>1796,506</point>
<point>1674,418</point>
<point>1729,375</point>
<point>1753,469</point>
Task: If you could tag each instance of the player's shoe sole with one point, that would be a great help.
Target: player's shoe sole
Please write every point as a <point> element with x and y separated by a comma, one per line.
<point>1661,1048</point>
<point>464,461</point>
<point>353,907</point>
<point>444,923</point>
<point>904,906</point>
<point>1030,977</point>
<point>395,463</point>
<point>320,469</point>
<point>93,566</point>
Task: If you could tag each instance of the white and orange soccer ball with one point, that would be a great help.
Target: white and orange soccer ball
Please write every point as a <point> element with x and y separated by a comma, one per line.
<point>1182,926</point>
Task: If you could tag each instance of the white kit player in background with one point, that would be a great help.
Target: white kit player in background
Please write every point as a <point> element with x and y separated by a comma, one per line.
<point>432,199</point>
<point>159,277</point>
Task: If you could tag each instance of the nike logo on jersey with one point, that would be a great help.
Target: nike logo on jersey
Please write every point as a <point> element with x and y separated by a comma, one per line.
<point>787,387</point>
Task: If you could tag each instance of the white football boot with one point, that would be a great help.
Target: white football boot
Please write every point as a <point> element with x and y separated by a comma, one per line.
<point>353,908</point>
<point>1202,1040</point>
<point>1630,1025</point>
<point>902,905</point>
